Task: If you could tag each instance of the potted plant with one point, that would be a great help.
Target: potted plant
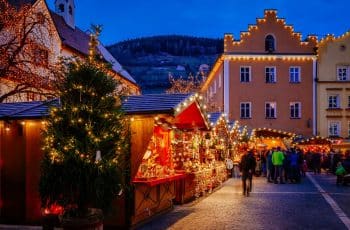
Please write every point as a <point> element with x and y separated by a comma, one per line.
<point>85,143</point>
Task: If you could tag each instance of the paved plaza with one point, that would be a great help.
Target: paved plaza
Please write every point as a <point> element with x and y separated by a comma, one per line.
<point>315,203</point>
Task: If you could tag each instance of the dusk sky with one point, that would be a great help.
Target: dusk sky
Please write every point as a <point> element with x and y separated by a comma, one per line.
<point>129,19</point>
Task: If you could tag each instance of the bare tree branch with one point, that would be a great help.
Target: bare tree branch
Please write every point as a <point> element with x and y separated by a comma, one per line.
<point>23,50</point>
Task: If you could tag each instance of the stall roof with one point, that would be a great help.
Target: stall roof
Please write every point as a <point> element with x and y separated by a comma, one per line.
<point>26,110</point>
<point>153,103</point>
<point>267,132</point>
<point>184,107</point>
<point>315,140</point>
<point>188,112</point>
<point>142,104</point>
<point>214,117</point>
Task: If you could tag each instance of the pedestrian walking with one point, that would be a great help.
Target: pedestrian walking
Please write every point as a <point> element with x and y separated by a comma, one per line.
<point>294,167</point>
<point>236,169</point>
<point>340,172</point>
<point>229,166</point>
<point>247,169</point>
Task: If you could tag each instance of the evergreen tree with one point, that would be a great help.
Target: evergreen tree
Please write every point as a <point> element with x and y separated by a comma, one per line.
<point>86,141</point>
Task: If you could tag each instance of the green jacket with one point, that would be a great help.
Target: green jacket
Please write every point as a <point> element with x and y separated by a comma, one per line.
<point>340,171</point>
<point>277,158</point>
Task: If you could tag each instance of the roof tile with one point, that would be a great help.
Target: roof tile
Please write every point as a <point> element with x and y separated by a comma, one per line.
<point>153,103</point>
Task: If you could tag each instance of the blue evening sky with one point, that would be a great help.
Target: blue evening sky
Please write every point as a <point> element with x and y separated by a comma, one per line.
<point>127,19</point>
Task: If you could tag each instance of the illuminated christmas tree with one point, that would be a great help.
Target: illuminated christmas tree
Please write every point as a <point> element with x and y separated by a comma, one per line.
<point>86,141</point>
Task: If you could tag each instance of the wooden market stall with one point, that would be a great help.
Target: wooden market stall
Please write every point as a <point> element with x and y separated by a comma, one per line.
<point>265,138</point>
<point>340,145</point>
<point>313,144</point>
<point>20,155</point>
<point>165,144</point>
<point>208,170</point>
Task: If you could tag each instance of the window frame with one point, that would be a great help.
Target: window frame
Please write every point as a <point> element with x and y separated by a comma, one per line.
<point>294,115</point>
<point>337,124</point>
<point>268,72</point>
<point>347,74</point>
<point>61,8</point>
<point>270,42</point>
<point>271,108</point>
<point>249,74</point>
<point>70,10</point>
<point>245,108</point>
<point>291,79</point>
<point>337,101</point>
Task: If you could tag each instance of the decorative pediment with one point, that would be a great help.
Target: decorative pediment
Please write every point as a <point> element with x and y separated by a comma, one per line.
<point>286,39</point>
<point>332,38</point>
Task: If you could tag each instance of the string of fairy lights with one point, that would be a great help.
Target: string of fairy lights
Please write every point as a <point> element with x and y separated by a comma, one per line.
<point>229,41</point>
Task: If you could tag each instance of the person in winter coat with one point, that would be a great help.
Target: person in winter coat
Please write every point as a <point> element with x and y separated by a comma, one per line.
<point>270,171</point>
<point>277,161</point>
<point>247,169</point>
<point>340,172</point>
<point>294,167</point>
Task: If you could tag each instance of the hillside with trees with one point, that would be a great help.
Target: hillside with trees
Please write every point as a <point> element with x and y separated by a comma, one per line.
<point>151,60</point>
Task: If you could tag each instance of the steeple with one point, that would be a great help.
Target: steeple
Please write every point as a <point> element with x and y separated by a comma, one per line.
<point>66,8</point>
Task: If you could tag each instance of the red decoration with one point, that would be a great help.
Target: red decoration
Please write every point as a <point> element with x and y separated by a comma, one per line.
<point>53,209</point>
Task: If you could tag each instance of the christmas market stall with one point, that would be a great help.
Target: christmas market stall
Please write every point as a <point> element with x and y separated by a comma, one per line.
<point>340,145</point>
<point>266,138</point>
<point>20,155</point>
<point>165,144</point>
<point>313,144</point>
<point>315,150</point>
<point>208,170</point>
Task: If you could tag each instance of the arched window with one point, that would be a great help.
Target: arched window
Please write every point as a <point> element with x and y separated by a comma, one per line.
<point>269,43</point>
<point>61,8</point>
<point>70,10</point>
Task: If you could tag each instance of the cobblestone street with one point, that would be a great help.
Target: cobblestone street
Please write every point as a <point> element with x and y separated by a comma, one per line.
<point>316,203</point>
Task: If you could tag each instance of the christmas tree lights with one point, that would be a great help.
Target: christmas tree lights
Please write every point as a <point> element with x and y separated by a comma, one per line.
<point>86,141</point>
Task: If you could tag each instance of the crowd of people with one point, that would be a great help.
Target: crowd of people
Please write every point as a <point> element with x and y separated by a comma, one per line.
<point>290,165</point>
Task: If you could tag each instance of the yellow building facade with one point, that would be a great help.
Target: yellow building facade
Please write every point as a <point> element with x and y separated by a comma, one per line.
<point>333,87</point>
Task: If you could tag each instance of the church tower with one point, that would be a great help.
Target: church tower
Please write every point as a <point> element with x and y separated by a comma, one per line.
<point>66,9</point>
